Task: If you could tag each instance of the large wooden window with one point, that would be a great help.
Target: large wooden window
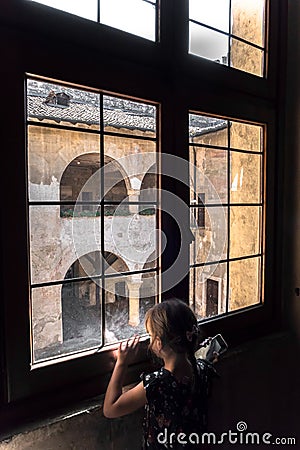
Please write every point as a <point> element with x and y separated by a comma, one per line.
<point>89,234</point>
<point>227,161</point>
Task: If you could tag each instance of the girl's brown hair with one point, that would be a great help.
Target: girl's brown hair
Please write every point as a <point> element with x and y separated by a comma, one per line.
<point>175,324</point>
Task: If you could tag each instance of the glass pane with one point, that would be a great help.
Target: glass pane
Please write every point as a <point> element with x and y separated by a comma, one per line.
<point>246,137</point>
<point>130,168</point>
<point>131,238</point>
<point>62,164</point>
<point>244,283</point>
<point>57,242</point>
<point>209,227</point>
<point>86,9</point>
<point>246,57</point>
<point>66,318</point>
<point>248,20</point>
<point>214,13</point>
<point>134,16</point>
<point>62,105</point>
<point>127,299</point>
<point>208,44</point>
<point>208,287</point>
<point>131,178</point>
<point>245,225</point>
<point>126,116</point>
<point>208,130</point>
<point>245,177</point>
<point>208,175</point>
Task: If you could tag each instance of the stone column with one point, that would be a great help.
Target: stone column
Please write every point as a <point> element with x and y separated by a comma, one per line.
<point>133,196</point>
<point>134,302</point>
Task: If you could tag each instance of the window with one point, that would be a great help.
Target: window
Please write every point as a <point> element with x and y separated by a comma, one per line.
<point>138,17</point>
<point>227,164</point>
<point>229,32</point>
<point>212,295</point>
<point>86,293</point>
<point>198,216</point>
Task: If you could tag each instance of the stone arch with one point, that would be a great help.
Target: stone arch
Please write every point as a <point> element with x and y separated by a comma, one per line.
<point>148,191</point>
<point>76,175</point>
<point>149,183</point>
<point>81,301</point>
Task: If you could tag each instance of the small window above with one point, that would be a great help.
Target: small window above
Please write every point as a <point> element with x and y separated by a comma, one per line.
<point>138,17</point>
<point>229,32</point>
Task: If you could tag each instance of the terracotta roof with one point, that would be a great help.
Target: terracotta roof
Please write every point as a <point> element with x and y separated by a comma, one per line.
<point>117,112</point>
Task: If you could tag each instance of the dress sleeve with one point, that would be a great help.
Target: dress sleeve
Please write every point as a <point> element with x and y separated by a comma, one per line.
<point>150,381</point>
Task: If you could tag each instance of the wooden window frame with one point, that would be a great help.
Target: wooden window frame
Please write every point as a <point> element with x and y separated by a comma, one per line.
<point>163,72</point>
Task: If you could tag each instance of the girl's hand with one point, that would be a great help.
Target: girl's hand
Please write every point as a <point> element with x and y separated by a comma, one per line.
<point>216,357</point>
<point>127,350</point>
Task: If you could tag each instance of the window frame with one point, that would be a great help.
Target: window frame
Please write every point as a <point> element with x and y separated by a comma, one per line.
<point>102,203</point>
<point>39,41</point>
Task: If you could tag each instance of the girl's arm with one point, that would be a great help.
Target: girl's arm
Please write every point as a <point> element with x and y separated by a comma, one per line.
<point>116,403</point>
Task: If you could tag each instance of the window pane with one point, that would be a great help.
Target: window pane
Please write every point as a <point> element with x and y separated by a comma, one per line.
<point>130,170</point>
<point>246,57</point>
<point>57,242</point>
<point>208,43</point>
<point>208,130</point>
<point>66,318</point>
<point>126,116</point>
<point>127,299</point>
<point>61,105</point>
<point>245,283</point>
<point>248,20</point>
<point>208,287</point>
<point>208,175</point>
<point>134,16</point>
<point>60,163</point>
<point>245,136</point>
<point>86,9</point>
<point>214,13</point>
<point>210,242</point>
<point>131,238</point>
<point>245,227</point>
<point>245,177</point>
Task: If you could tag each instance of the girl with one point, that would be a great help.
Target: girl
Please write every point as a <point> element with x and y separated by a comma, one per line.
<point>175,397</point>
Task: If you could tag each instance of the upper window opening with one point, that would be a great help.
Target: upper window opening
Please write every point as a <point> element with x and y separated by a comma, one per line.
<point>137,17</point>
<point>229,32</point>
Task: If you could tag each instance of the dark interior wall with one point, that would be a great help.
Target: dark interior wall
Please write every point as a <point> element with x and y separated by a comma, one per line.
<point>259,385</point>
<point>291,149</point>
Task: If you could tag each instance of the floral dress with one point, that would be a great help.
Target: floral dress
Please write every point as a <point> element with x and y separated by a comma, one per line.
<point>176,411</point>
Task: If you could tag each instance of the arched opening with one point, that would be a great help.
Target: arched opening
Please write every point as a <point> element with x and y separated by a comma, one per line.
<point>74,186</point>
<point>82,299</point>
